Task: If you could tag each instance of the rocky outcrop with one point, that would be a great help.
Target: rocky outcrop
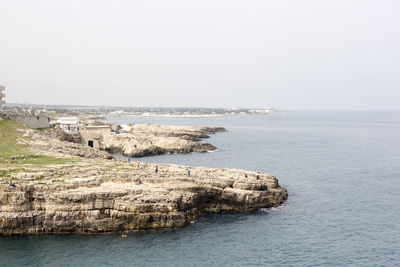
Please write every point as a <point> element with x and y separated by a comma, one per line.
<point>60,134</point>
<point>147,139</point>
<point>142,140</point>
<point>50,144</point>
<point>102,196</point>
<point>96,195</point>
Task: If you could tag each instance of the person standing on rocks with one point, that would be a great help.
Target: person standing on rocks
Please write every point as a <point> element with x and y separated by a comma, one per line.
<point>156,169</point>
<point>188,172</point>
<point>11,184</point>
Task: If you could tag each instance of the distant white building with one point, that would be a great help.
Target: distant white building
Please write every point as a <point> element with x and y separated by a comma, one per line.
<point>261,111</point>
<point>116,113</point>
<point>125,128</point>
<point>69,124</point>
<point>2,96</point>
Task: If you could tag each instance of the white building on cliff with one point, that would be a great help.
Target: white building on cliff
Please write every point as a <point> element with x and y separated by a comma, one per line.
<point>2,96</point>
<point>69,124</point>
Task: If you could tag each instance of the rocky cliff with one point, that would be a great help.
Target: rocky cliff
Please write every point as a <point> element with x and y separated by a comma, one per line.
<point>102,196</point>
<point>148,139</point>
<point>90,193</point>
<point>142,140</point>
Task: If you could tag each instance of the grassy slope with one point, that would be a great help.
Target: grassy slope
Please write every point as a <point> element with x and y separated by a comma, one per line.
<point>9,135</point>
<point>8,138</point>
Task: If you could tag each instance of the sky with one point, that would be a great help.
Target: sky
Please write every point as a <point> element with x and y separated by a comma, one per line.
<point>338,54</point>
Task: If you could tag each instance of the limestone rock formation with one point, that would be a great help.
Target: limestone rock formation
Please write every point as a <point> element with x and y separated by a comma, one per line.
<point>101,196</point>
<point>143,140</point>
<point>60,134</point>
<point>50,144</point>
<point>148,139</point>
<point>95,194</point>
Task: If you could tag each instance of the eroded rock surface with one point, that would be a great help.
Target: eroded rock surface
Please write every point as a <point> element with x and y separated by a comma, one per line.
<point>142,140</point>
<point>49,145</point>
<point>101,196</point>
<point>95,194</point>
<point>149,139</point>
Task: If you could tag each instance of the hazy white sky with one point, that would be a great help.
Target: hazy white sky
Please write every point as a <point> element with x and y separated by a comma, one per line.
<point>283,54</point>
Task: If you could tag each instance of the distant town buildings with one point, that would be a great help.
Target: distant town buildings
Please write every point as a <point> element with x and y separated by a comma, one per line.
<point>116,113</point>
<point>261,111</point>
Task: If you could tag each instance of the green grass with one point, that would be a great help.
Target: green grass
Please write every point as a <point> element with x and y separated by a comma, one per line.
<point>45,160</point>
<point>8,139</point>
<point>9,147</point>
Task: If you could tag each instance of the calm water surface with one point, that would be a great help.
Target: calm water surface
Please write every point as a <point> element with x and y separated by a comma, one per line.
<point>342,172</point>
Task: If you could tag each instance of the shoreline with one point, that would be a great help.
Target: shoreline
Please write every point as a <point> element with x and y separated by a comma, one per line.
<point>194,116</point>
<point>86,191</point>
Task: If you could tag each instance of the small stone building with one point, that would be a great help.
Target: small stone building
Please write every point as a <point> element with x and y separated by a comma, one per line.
<point>92,135</point>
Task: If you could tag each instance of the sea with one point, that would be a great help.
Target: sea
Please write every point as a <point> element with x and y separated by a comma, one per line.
<point>342,173</point>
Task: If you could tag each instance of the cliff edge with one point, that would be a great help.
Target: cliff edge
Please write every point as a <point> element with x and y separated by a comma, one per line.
<point>64,187</point>
<point>103,196</point>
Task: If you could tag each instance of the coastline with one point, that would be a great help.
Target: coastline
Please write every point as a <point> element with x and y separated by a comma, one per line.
<point>154,115</point>
<point>78,189</point>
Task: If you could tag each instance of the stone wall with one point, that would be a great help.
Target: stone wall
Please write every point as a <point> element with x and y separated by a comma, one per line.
<point>27,118</point>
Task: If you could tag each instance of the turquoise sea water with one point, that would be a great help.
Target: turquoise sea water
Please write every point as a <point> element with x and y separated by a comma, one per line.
<point>342,172</point>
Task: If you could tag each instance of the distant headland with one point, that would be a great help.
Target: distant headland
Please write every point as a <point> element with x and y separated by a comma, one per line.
<point>116,111</point>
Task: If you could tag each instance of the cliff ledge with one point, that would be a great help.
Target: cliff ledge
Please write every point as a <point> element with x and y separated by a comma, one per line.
<point>102,196</point>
